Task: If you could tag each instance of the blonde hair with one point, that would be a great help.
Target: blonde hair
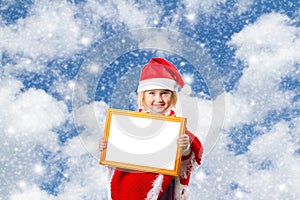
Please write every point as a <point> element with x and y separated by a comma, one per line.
<point>141,99</point>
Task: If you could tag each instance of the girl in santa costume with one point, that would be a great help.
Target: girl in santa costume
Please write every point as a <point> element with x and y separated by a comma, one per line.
<point>157,94</point>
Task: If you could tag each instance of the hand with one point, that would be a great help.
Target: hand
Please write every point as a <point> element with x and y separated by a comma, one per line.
<point>184,141</point>
<point>102,144</point>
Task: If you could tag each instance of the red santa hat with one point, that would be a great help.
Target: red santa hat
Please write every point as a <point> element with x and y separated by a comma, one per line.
<point>160,74</point>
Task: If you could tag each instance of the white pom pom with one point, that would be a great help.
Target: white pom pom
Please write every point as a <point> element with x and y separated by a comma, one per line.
<point>186,90</point>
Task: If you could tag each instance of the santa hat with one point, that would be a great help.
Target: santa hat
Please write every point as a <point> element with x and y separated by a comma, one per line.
<point>160,74</point>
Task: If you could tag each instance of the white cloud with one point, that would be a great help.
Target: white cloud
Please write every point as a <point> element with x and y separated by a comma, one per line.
<point>28,113</point>
<point>6,4</point>
<point>277,147</point>
<point>33,193</point>
<point>87,179</point>
<point>60,29</point>
<point>49,30</point>
<point>270,48</point>
<point>243,6</point>
<point>131,15</point>
<point>92,118</point>
<point>269,169</point>
<point>199,114</point>
<point>135,16</point>
<point>205,6</point>
<point>26,127</point>
<point>213,8</point>
<point>271,35</point>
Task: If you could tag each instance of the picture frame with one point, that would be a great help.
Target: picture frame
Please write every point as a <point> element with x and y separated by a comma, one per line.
<point>143,142</point>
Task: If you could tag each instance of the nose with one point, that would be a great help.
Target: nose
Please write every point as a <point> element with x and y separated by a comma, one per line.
<point>158,98</point>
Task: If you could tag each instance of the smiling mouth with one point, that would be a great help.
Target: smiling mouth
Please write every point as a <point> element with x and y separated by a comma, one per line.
<point>159,105</point>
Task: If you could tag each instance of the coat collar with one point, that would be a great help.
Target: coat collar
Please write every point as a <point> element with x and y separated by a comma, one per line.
<point>169,112</point>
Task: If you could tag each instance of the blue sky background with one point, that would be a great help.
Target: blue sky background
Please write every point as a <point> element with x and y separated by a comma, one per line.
<point>63,63</point>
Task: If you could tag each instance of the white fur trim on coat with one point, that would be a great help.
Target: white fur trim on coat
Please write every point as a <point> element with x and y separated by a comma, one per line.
<point>188,166</point>
<point>157,185</point>
<point>181,191</point>
<point>109,174</point>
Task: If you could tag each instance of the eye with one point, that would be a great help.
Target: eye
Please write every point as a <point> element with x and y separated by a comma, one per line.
<point>166,93</point>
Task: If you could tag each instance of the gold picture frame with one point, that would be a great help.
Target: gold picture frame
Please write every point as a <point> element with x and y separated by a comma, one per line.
<point>142,142</point>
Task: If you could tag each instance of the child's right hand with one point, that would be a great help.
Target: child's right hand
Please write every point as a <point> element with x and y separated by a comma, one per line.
<point>102,144</point>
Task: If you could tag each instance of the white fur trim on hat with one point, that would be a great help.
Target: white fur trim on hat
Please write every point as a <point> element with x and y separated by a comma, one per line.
<point>157,83</point>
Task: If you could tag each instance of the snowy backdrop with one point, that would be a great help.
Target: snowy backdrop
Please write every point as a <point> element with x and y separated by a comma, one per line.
<point>63,63</point>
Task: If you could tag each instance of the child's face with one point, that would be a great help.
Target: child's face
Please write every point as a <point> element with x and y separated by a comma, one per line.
<point>158,101</point>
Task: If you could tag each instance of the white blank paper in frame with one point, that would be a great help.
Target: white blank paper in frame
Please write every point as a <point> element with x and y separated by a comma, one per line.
<point>143,141</point>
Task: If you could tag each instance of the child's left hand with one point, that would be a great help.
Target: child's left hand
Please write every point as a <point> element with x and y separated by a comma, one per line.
<point>184,141</point>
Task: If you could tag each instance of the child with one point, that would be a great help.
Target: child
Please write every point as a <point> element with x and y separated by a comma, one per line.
<point>157,94</point>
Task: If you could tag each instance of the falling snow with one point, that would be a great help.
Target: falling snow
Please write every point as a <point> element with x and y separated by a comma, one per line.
<point>56,83</point>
